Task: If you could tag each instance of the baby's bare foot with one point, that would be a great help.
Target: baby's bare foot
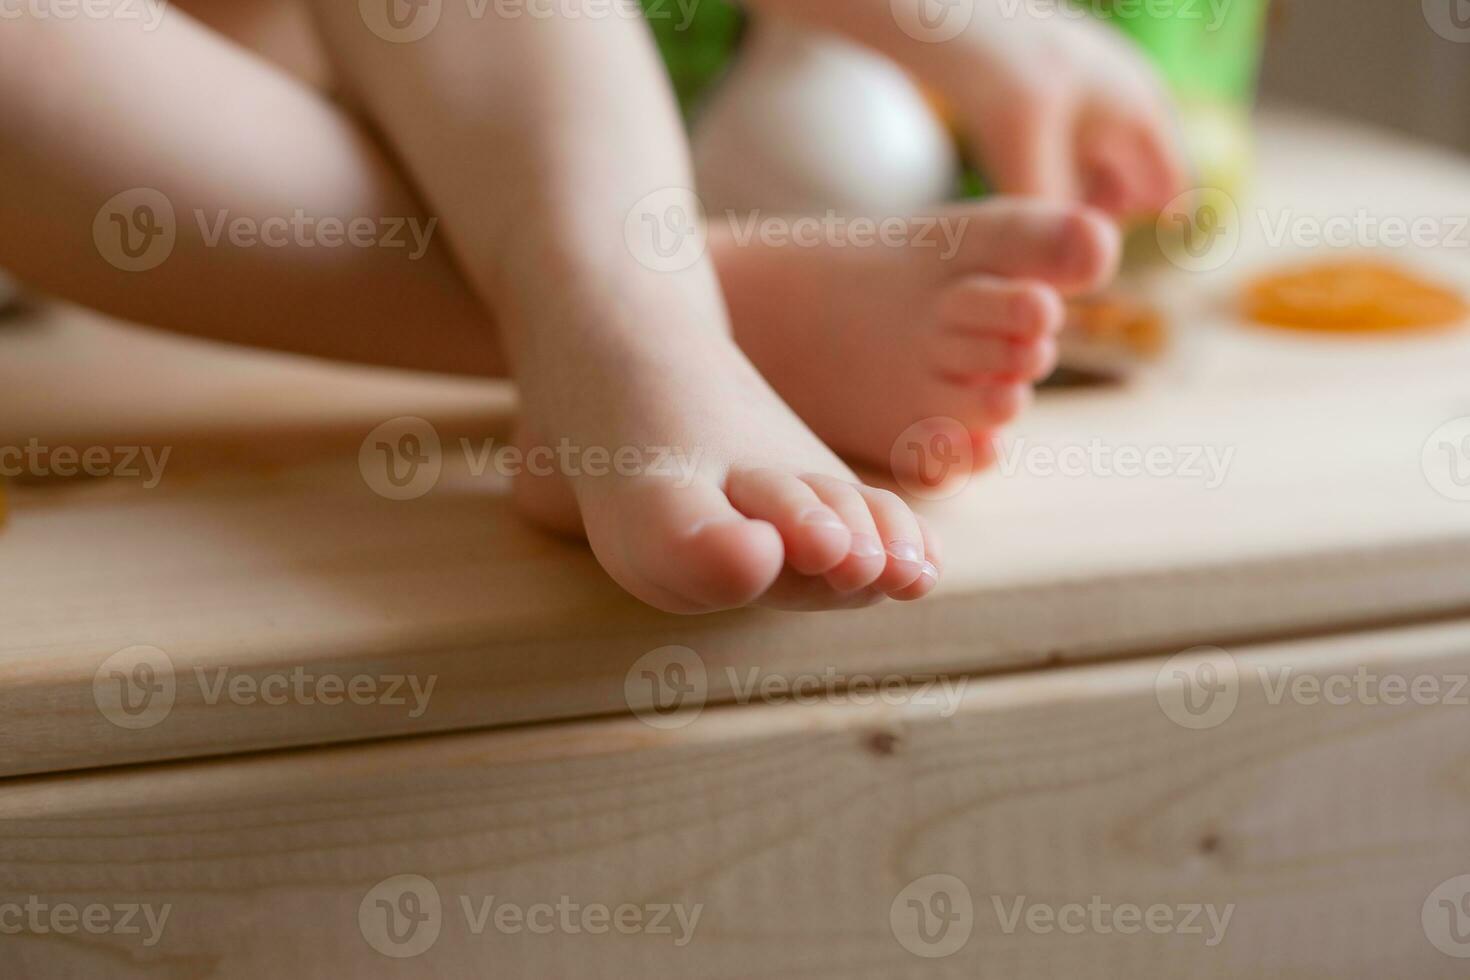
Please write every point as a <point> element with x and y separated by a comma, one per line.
<point>956,322</point>
<point>1062,107</point>
<point>722,498</point>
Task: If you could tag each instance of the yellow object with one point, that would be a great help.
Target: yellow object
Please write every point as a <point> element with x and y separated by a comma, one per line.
<point>1219,143</point>
<point>1120,321</point>
<point>1357,296</point>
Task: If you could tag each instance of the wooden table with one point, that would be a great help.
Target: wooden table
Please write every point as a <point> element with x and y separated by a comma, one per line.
<point>258,693</point>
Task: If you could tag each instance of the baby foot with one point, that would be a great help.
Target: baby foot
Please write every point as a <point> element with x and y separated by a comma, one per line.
<point>956,322</point>
<point>723,497</point>
<point>1059,106</point>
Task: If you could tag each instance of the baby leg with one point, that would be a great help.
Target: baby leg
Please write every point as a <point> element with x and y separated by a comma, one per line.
<point>172,178</point>
<point>542,142</point>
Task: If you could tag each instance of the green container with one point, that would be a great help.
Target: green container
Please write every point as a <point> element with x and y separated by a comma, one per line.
<point>1207,50</point>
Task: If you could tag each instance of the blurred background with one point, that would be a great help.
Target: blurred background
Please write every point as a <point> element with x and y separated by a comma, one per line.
<point>1371,60</point>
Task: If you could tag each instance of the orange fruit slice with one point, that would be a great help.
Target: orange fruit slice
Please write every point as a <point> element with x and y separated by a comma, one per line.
<point>1118,320</point>
<point>1354,296</point>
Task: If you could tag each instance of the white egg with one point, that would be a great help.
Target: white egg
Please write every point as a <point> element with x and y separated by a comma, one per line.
<point>808,122</point>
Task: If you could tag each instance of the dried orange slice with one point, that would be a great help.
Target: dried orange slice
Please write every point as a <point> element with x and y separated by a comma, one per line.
<point>1116,318</point>
<point>1112,334</point>
<point>1355,296</point>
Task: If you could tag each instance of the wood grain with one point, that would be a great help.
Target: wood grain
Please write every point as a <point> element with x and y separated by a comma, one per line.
<point>1325,827</point>
<point>263,551</point>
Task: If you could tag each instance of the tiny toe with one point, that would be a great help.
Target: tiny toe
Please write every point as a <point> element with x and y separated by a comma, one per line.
<point>1088,249</point>
<point>1112,171</point>
<point>965,360</point>
<point>816,537</point>
<point>933,565</point>
<point>984,406</point>
<point>865,559</point>
<point>1015,308</point>
<point>1166,169</point>
<point>998,404</point>
<point>1025,145</point>
<point>1072,247</point>
<point>1038,360</point>
<point>1107,187</point>
<point>902,538</point>
<point>684,549</point>
<point>1131,163</point>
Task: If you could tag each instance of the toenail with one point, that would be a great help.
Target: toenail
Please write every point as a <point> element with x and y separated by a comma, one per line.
<point>821,517</point>
<point>905,551</point>
<point>865,546</point>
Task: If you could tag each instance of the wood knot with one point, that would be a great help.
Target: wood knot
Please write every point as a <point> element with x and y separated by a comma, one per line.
<point>884,743</point>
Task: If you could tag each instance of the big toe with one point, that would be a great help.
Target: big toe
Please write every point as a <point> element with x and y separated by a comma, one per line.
<point>683,548</point>
<point>1071,247</point>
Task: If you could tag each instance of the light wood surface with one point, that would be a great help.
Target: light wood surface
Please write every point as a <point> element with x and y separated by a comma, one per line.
<point>1325,828</point>
<point>264,551</point>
